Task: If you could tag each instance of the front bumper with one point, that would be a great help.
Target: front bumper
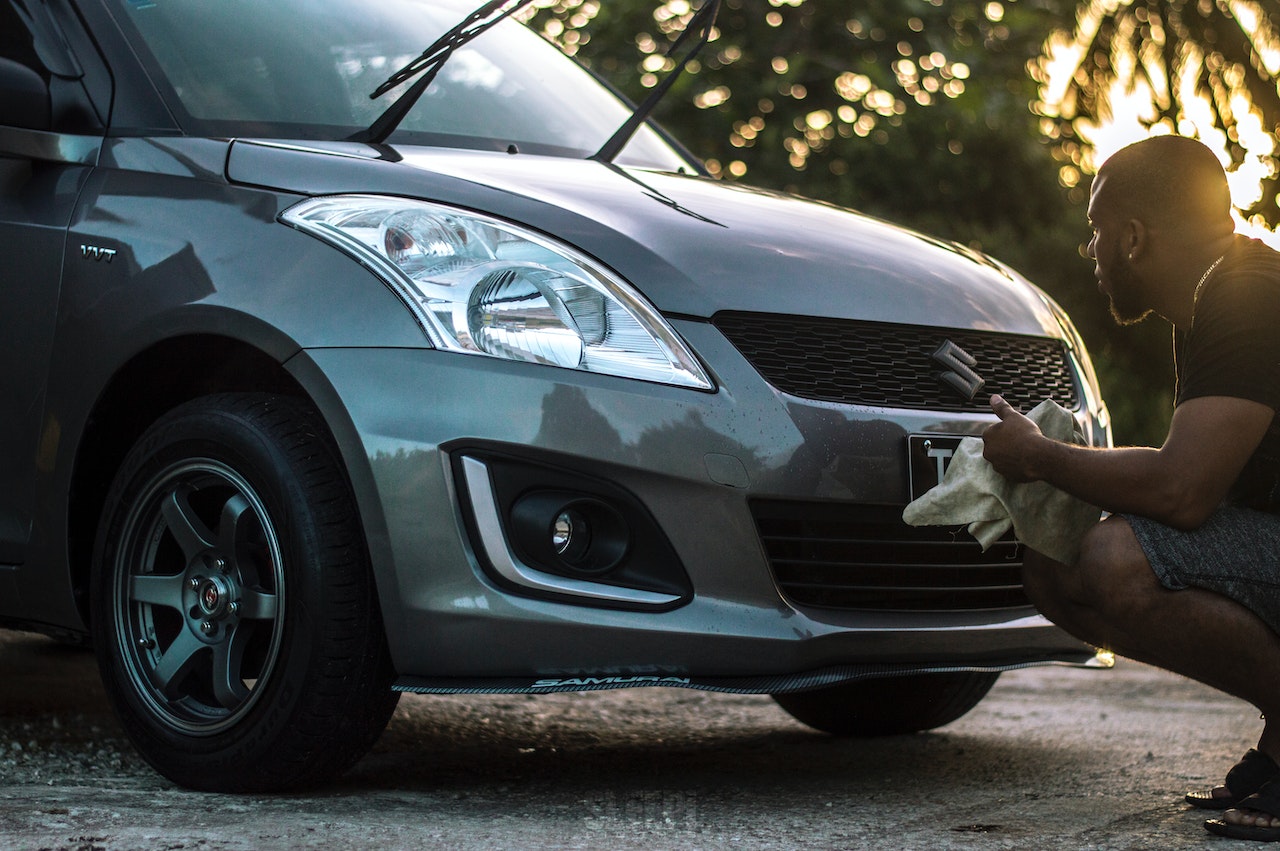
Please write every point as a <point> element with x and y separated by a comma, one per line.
<point>694,461</point>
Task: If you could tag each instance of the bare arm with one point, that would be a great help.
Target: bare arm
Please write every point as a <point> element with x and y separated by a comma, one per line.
<point>1210,440</point>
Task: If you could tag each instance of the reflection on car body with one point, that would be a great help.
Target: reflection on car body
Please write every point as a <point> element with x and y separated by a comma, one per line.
<point>298,423</point>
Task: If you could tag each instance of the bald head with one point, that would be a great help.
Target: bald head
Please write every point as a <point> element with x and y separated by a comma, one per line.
<point>1168,182</point>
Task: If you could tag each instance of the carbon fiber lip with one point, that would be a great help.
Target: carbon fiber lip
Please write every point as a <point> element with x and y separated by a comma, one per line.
<point>767,684</point>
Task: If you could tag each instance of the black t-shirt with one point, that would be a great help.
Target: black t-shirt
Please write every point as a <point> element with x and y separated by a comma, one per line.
<point>1233,349</point>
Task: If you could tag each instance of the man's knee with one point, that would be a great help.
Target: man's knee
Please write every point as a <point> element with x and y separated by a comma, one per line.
<point>1110,571</point>
<point>1112,574</point>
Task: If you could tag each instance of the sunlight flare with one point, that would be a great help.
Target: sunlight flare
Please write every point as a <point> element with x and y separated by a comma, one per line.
<point>1113,81</point>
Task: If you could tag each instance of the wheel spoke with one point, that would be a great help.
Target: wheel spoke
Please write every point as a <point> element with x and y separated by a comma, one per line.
<point>228,668</point>
<point>258,605</point>
<point>231,526</point>
<point>236,524</point>
<point>176,662</point>
<point>185,526</point>
<point>157,590</point>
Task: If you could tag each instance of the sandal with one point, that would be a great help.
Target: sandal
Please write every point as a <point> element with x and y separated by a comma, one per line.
<point>1246,777</point>
<point>1266,800</point>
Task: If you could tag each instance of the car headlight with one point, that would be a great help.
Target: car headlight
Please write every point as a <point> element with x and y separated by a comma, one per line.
<point>484,286</point>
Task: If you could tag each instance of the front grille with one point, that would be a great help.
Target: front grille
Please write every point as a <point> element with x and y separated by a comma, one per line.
<point>870,363</point>
<point>866,558</point>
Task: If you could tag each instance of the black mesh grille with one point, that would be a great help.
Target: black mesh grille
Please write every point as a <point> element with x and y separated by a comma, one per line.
<point>866,558</point>
<point>866,363</point>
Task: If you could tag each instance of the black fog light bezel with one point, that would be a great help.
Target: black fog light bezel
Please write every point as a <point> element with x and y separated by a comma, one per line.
<point>637,556</point>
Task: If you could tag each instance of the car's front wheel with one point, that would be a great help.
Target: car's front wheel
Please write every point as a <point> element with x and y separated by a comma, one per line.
<point>890,705</point>
<point>234,611</point>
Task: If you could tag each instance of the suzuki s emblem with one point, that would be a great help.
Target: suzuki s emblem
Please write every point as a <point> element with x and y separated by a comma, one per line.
<point>958,374</point>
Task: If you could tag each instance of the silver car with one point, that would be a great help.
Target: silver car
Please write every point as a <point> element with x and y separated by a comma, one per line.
<point>313,398</point>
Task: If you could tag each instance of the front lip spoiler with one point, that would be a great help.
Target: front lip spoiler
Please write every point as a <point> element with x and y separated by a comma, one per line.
<point>766,684</point>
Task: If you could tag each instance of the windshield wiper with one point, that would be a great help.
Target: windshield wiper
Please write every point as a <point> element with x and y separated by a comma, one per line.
<point>428,64</point>
<point>702,23</point>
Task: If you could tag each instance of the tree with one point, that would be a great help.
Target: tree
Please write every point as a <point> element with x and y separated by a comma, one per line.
<point>1201,68</point>
<point>895,109</point>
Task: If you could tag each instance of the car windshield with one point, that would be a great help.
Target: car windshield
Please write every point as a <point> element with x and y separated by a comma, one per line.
<point>303,69</point>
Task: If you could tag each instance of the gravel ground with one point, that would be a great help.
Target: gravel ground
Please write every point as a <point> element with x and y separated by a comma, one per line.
<point>1054,757</point>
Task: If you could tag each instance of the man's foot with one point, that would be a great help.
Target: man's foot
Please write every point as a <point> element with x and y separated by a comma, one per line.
<point>1246,777</point>
<point>1257,817</point>
<point>1250,818</point>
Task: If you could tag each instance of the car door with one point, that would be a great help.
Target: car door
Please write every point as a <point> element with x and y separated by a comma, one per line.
<point>49,138</point>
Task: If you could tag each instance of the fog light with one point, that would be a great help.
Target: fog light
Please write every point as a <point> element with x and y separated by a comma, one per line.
<point>562,532</point>
<point>571,535</point>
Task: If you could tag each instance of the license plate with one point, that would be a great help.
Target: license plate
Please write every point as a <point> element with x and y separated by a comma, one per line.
<point>928,456</point>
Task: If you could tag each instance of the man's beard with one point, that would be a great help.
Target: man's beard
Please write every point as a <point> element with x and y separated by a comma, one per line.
<point>1125,291</point>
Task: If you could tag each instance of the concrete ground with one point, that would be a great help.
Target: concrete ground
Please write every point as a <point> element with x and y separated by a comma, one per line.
<point>1053,758</point>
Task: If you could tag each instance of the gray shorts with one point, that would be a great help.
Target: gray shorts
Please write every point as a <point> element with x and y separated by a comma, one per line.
<point>1235,553</point>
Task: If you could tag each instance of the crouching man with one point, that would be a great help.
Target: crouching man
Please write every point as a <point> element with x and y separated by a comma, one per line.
<point>1185,572</point>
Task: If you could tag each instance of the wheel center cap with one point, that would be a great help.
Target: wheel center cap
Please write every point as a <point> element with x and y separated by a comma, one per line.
<point>214,596</point>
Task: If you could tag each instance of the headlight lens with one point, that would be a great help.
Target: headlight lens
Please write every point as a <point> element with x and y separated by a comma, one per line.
<point>483,286</point>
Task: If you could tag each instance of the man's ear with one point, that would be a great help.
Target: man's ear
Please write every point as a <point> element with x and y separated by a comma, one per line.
<point>1135,238</point>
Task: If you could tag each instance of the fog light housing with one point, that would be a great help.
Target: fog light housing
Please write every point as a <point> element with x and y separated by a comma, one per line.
<point>545,530</point>
<point>571,532</point>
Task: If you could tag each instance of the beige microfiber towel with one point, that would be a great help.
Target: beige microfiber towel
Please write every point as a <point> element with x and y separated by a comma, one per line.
<point>1044,518</point>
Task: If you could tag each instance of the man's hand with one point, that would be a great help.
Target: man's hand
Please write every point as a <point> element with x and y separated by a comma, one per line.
<point>1009,444</point>
<point>1179,484</point>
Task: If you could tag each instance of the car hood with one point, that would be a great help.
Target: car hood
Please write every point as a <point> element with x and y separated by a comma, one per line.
<point>693,245</point>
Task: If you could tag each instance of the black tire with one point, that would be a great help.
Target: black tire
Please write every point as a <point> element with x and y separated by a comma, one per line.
<point>889,706</point>
<point>233,606</point>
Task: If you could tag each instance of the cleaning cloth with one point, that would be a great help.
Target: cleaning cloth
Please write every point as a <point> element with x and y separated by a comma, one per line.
<point>1044,518</point>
